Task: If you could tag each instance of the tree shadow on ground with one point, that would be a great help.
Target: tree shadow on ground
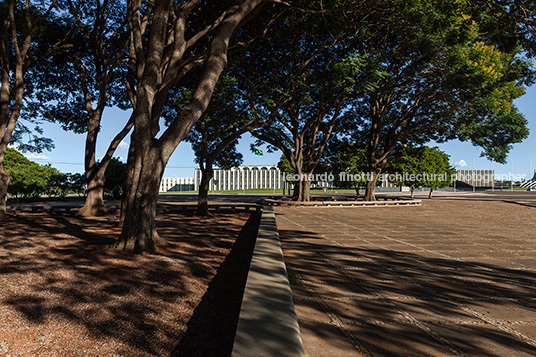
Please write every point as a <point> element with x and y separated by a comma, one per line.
<point>56,268</point>
<point>400,303</point>
<point>212,328</point>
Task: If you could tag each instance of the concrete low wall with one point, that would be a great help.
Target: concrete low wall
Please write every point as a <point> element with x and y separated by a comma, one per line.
<point>397,202</point>
<point>267,325</point>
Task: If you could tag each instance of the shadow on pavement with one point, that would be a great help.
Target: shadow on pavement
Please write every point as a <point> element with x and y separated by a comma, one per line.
<point>400,303</point>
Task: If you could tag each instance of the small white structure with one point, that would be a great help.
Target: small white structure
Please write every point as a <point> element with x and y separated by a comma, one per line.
<point>530,184</point>
<point>173,184</point>
<point>243,178</point>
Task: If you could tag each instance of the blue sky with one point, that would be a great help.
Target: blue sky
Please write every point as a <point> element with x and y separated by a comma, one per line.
<point>522,157</point>
<point>68,155</point>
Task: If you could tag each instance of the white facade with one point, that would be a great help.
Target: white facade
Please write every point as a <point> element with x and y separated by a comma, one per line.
<point>243,178</point>
<point>476,178</point>
<point>177,184</point>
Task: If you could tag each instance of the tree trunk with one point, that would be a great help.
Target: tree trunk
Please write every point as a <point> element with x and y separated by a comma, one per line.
<point>357,194</point>
<point>153,70</point>
<point>302,190</point>
<point>127,184</point>
<point>430,194</point>
<point>412,190</point>
<point>297,191</point>
<point>5,177</point>
<point>94,205</point>
<point>139,226</point>
<point>202,197</point>
<point>370,194</point>
<point>306,191</point>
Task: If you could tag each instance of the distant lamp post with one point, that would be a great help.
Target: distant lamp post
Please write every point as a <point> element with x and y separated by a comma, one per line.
<point>512,176</point>
<point>474,175</point>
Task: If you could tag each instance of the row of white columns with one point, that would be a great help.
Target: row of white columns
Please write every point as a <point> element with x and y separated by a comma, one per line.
<point>168,183</point>
<point>243,178</point>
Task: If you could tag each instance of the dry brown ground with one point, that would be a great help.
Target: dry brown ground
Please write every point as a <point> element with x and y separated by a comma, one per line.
<point>63,293</point>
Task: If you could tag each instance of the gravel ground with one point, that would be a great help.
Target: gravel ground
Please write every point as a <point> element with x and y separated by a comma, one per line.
<point>64,293</point>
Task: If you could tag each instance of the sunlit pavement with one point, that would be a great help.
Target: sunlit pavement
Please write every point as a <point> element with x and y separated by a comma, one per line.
<point>451,277</point>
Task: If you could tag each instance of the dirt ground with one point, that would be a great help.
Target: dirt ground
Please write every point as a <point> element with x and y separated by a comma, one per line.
<point>448,278</point>
<point>64,293</point>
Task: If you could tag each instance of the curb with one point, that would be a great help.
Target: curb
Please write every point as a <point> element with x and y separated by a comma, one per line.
<point>268,325</point>
<point>401,202</point>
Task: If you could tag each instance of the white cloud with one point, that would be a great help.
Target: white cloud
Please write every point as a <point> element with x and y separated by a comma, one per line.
<point>34,156</point>
<point>461,163</point>
<point>122,145</point>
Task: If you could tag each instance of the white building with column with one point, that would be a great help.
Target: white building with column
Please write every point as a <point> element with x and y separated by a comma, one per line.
<point>176,184</point>
<point>243,178</point>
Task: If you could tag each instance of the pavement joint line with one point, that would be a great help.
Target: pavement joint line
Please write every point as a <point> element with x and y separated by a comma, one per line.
<point>423,298</point>
<point>334,317</point>
<point>473,312</point>
<point>395,322</point>
<point>445,342</point>
<point>477,314</point>
<point>529,322</point>
<point>406,322</point>
<point>360,298</point>
<point>474,282</point>
<point>525,268</point>
<point>411,319</point>
<point>361,281</point>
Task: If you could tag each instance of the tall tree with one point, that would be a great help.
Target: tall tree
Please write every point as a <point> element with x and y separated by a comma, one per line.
<point>436,77</point>
<point>348,163</point>
<point>286,169</point>
<point>115,178</point>
<point>301,92</point>
<point>89,77</point>
<point>29,32</point>
<point>215,136</point>
<point>168,39</point>
<point>421,166</point>
<point>29,179</point>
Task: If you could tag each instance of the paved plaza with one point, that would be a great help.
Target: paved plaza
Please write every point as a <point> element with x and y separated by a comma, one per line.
<point>448,278</point>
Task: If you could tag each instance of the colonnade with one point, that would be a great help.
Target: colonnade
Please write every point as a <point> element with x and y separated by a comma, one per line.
<point>243,178</point>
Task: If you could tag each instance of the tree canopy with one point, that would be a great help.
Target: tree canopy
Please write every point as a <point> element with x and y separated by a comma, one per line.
<point>214,137</point>
<point>29,33</point>
<point>437,77</point>
<point>29,179</point>
<point>421,167</point>
<point>300,90</point>
<point>377,75</point>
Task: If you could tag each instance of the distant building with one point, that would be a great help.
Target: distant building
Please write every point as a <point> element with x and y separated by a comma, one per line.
<point>475,178</point>
<point>243,178</point>
<point>171,184</point>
